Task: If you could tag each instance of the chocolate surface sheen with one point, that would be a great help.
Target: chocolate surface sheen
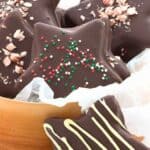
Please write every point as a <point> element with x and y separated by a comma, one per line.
<point>102,128</point>
<point>72,58</point>
<point>32,10</point>
<point>15,51</point>
<point>129,21</point>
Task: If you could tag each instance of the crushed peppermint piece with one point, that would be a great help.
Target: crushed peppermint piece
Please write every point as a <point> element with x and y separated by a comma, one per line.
<point>14,57</point>
<point>19,35</point>
<point>6,61</point>
<point>27,4</point>
<point>108,2</point>
<point>23,54</point>
<point>118,12</point>
<point>132,11</point>
<point>18,69</point>
<point>10,47</point>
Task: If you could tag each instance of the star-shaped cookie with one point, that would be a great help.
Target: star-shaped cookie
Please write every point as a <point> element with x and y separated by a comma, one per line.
<point>15,51</point>
<point>72,58</point>
<point>129,21</point>
<point>101,128</point>
<point>32,10</point>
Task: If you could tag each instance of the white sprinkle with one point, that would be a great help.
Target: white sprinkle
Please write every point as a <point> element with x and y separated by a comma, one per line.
<point>58,79</point>
<point>88,6</point>
<point>82,18</point>
<point>31,18</point>
<point>51,56</point>
<point>87,83</point>
<point>93,14</point>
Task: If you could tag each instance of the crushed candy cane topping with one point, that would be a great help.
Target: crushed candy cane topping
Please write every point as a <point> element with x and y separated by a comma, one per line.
<point>117,11</point>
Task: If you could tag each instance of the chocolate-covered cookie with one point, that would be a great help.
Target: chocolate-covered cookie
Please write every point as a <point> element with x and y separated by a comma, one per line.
<point>102,128</point>
<point>15,51</point>
<point>32,10</point>
<point>72,58</point>
<point>60,17</point>
<point>129,21</point>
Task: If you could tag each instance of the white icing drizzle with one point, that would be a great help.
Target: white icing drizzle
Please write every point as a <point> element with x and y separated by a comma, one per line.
<point>112,114</point>
<point>68,123</point>
<point>62,139</point>
<point>105,133</point>
<point>112,130</point>
<point>73,127</point>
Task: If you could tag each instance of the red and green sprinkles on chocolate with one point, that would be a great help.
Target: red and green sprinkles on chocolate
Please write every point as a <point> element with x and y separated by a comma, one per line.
<point>72,60</point>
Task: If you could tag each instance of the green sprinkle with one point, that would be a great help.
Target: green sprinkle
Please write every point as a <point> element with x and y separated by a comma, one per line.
<point>49,81</point>
<point>57,75</point>
<point>56,84</point>
<point>87,60</point>
<point>66,84</point>
<point>63,33</point>
<point>93,65</point>
<point>85,79</point>
<point>94,61</point>
<point>41,54</point>
<point>62,77</point>
<point>73,67</point>
<point>73,87</point>
<point>46,46</point>
<point>70,77</point>
<point>54,43</point>
<point>67,56</point>
<point>106,78</point>
<point>55,36</point>
<point>72,45</point>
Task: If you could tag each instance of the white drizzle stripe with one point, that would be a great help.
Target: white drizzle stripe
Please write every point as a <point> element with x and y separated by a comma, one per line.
<point>62,139</point>
<point>112,114</point>
<point>105,133</point>
<point>112,130</point>
<point>47,126</point>
<point>69,122</point>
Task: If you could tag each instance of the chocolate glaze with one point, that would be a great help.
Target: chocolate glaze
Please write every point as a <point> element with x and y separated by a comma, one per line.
<point>60,17</point>
<point>8,73</point>
<point>72,58</point>
<point>137,37</point>
<point>101,128</point>
<point>128,41</point>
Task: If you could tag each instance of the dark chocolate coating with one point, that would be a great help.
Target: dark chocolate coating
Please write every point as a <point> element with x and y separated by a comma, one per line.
<point>75,57</point>
<point>36,10</point>
<point>99,129</point>
<point>8,76</point>
<point>60,17</point>
<point>127,42</point>
<point>137,38</point>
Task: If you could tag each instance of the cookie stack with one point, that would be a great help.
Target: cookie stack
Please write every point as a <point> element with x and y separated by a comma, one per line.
<point>85,46</point>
